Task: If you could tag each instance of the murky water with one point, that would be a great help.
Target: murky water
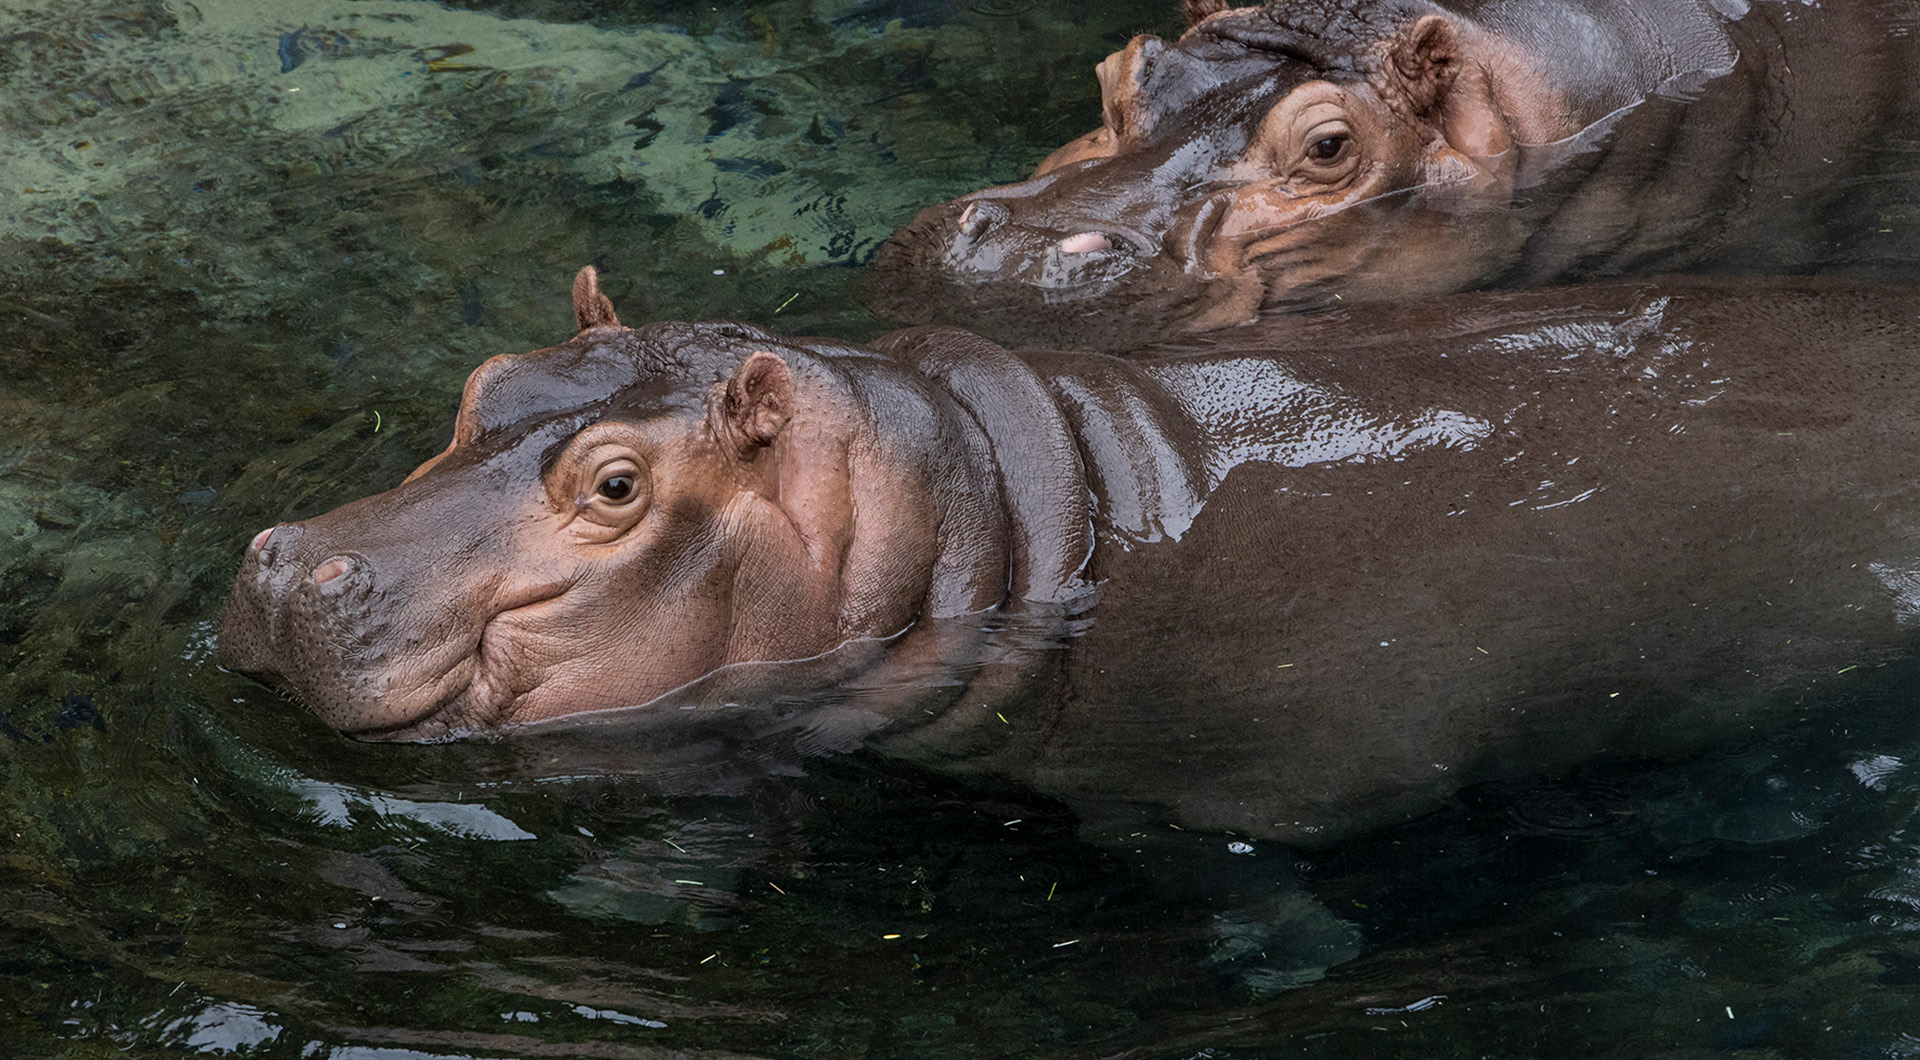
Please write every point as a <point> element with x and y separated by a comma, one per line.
<point>248,253</point>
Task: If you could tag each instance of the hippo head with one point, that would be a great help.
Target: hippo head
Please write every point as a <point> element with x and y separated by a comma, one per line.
<point>1272,157</point>
<point>614,518</point>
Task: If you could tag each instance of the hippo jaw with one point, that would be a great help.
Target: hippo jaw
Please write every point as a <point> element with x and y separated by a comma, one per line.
<point>1235,173</point>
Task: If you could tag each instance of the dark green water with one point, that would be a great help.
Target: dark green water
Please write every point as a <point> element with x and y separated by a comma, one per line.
<point>248,253</point>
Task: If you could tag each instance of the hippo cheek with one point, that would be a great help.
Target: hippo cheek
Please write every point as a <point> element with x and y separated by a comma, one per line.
<point>1208,262</point>
<point>559,658</point>
<point>1397,231</point>
<point>633,624</point>
<point>1259,246</point>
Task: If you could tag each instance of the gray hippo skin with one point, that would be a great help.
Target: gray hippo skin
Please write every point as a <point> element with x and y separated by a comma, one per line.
<point>1287,156</point>
<point>1282,584</point>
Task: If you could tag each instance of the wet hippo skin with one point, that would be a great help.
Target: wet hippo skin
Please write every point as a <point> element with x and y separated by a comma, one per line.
<point>1287,156</point>
<point>1290,581</point>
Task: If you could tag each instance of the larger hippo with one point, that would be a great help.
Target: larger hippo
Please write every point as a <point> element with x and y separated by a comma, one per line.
<point>1289,155</point>
<point>1285,592</point>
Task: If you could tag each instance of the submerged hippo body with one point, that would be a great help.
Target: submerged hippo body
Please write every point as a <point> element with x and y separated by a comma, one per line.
<point>1284,592</point>
<point>1287,156</point>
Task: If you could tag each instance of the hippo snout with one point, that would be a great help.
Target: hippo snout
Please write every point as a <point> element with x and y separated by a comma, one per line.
<point>979,247</point>
<point>981,244</point>
<point>286,577</point>
<point>306,616</point>
<point>275,553</point>
<point>974,222</point>
<point>1087,262</point>
<point>1022,278</point>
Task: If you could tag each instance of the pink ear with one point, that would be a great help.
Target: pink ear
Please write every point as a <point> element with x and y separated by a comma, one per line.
<point>759,401</point>
<point>591,309</point>
<point>1449,90</point>
<point>1427,57</point>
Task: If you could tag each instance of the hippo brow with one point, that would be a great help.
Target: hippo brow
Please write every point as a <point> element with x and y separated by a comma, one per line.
<point>1327,36</point>
<point>713,349</point>
<point>557,386</point>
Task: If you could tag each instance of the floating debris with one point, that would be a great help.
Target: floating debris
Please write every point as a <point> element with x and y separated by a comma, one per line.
<point>1421,1005</point>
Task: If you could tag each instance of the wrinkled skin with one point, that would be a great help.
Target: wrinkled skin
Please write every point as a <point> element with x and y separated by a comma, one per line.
<point>1287,157</point>
<point>1291,582</point>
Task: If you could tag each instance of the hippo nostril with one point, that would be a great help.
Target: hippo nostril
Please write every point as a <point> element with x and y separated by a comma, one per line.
<point>269,546</point>
<point>1087,263</point>
<point>331,569</point>
<point>977,218</point>
<point>1084,243</point>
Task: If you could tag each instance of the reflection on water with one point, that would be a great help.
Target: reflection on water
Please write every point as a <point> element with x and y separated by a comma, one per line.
<point>247,255</point>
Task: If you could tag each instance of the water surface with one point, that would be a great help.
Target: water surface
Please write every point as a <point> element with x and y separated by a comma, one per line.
<point>248,253</point>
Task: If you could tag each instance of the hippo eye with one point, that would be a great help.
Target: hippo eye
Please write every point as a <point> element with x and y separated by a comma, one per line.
<point>1327,149</point>
<point>600,487</point>
<point>617,488</point>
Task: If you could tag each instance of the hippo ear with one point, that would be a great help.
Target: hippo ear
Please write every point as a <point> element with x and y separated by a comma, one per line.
<point>757,402</point>
<point>1427,58</point>
<point>1199,10</point>
<point>1448,89</point>
<point>591,309</point>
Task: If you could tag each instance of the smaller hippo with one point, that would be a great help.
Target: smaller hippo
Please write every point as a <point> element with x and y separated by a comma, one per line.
<point>1284,156</point>
<point>1289,585</point>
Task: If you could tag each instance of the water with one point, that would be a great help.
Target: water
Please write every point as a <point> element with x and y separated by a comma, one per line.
<point>248,254</point>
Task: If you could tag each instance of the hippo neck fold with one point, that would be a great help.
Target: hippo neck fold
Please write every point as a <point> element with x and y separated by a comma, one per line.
<point>1150,439</point>
<point>1043,481</point>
